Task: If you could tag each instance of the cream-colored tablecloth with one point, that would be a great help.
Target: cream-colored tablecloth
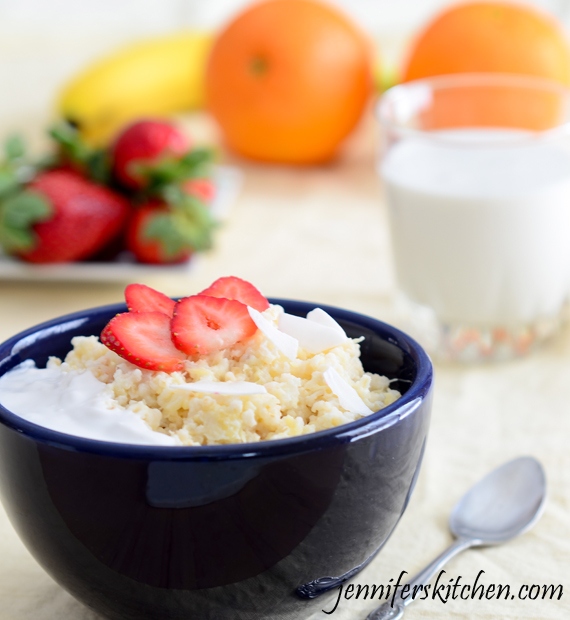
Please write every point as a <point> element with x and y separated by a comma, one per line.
<point>321,235</point>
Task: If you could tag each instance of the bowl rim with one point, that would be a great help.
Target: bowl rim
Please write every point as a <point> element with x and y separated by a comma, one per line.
<point>384,418</point>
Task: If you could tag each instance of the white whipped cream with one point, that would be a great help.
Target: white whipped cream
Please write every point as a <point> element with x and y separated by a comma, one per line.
<point>75,403</point>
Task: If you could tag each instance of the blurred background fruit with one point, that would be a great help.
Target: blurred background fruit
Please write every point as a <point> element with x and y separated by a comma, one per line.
<point>287,80</point>
<point>43,45</point>
<point>153,77</point>
<point>154,237</point>
<point>76,202</point>
<point>490,36</point>
<point>78,219</point>
<point>145,142</point>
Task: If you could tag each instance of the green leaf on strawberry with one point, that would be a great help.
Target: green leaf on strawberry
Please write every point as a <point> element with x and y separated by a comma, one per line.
<point>93,163</point>
<point>193,215</point>
<point>197,163</point>
<point>8,183</point>
<point>177,231</point>
<point>99,167</point>
<point>68,139</point>
<point>159,232</point>
<point>164,228</point>
<point>13,169</point>
<point>169,170</point>
<point>14,147</point>
<point>18,214</point>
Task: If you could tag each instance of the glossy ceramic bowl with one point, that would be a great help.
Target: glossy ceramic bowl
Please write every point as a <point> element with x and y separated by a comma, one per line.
<point>236,532</point>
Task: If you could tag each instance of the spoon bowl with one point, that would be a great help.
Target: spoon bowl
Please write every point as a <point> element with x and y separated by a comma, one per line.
<point>505,503</point>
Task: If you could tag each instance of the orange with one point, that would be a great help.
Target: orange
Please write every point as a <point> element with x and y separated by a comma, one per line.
<point>533,105</point>
<point>491,37</point>
<point>287,81</point>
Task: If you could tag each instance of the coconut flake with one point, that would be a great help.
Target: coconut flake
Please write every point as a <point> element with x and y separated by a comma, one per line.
<point>285,343</point>
<point>312,336</point>
<point>235,388</point>
<point>348,397</point>
<point>318,315</point>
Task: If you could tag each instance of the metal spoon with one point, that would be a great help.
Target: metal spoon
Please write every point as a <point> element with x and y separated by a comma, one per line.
<point>504,504</point>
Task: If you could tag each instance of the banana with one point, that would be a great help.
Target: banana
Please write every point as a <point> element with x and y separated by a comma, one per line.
<point>155,77</point>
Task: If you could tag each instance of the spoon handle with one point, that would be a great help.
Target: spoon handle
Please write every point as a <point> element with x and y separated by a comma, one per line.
<point>387,611</point>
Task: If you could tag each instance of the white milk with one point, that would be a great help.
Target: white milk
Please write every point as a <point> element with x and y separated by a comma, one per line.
<point>481,232</point>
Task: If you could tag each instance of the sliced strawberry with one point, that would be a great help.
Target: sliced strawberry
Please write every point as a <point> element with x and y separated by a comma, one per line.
<point>141,298</point>
<point>143,338</point>
<point>202,324</point>
<point>231,287</point>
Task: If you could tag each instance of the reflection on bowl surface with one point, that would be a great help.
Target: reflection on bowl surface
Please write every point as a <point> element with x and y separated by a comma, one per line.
<point>213,532</point>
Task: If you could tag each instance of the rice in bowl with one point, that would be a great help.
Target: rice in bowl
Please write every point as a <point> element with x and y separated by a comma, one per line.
<point>298,398</point>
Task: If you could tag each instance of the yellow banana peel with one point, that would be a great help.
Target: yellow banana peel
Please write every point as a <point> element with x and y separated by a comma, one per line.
<point>156,77</point>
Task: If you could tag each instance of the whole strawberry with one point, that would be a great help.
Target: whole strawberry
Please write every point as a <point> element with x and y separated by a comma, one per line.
<point>60,217</point>
<point>160,233</point>
<point>152,236</point>
<point>144,144</point>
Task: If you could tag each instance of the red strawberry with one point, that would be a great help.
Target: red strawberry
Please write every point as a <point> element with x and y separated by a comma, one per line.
<point>143,338</point>
<point>204,189</point>
<point>202,324</point>
<point>141,298</point>
<point>145,143</point>
<point>231,287</point>
<point>153,237</point>
<point>78,218</point>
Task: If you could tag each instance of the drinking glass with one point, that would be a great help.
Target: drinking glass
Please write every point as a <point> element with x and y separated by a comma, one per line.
<point>476,170</point>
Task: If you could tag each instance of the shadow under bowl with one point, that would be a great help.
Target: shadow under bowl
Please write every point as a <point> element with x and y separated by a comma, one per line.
<point>239,532</point>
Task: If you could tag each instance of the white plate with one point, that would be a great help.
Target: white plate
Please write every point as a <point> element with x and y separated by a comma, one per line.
<point>228,183</point>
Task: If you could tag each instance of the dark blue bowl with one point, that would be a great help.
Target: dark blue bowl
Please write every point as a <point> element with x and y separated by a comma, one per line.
<point>237,532</point>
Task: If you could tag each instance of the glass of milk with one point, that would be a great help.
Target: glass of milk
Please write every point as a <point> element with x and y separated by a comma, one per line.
<point>476,170</point>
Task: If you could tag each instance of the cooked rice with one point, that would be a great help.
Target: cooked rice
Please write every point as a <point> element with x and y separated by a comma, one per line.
<point>298,400</point>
